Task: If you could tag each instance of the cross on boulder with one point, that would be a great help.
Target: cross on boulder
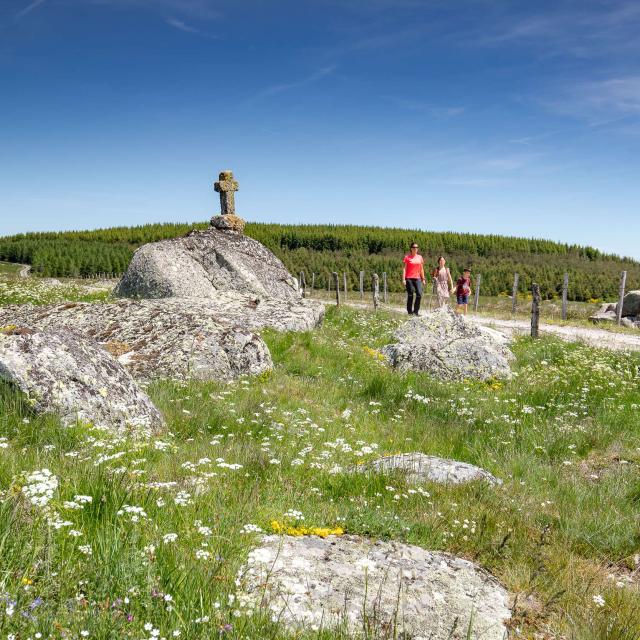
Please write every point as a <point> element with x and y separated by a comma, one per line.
<point>226,187</point>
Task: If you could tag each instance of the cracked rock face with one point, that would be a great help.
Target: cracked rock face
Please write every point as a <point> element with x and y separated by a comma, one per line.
<point>203,263</point>
<point>176,338</point>
<point>451,347</point>
<point>401,590</point>
<point>63,374</point>
<point>420,467</point>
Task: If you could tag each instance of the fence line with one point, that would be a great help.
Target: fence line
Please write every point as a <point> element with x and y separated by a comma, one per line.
<point>333,283</point>
<point>623,282</point>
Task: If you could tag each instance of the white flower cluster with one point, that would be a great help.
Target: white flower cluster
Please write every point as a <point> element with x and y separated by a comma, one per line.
<point>251,528</point>
<point>78,502</point>
<point>135,513</point>
<point>182,498</point>
<point>40,487</point>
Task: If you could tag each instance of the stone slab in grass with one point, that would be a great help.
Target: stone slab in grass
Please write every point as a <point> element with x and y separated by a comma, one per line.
<point>400,590</point>
<point>420,468</point>
<point>74,378</point>
<point>450,347</point>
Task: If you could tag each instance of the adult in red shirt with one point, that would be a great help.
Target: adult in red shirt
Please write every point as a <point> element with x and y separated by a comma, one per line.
<point>413,279</point>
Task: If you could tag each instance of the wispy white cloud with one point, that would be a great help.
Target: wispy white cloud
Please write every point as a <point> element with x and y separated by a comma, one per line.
<point>187,28</point>
<point>286,86</point>
<point>584,30</point>
<point>28,9</point>
<point>620,95</point>
<point>426,107</point>
<point>598,103</point>
<point>192,9</point>
<point>180,25</point>
<point>472,182</point>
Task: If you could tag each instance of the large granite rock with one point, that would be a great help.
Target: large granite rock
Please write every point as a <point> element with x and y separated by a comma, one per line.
<point>64,374</point>
<point>419,468</point>
<point>204,263</point>
<point>450,346</point>
<point>175,338</point>
<point>399,590</point>
<point>631,304</point>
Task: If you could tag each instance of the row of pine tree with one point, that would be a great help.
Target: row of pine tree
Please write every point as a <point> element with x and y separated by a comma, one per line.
<point>322,249</point>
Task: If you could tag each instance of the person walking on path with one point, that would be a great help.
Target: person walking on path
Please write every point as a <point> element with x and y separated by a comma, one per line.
<point>443,282</point>
<point>413,279</point>
<point>463,291</point>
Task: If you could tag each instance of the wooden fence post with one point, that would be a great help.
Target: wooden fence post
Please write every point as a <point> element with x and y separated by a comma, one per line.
<point>477,300</point>
<point>384,287</point>
<point>535,310</point>
<point>376,291</point>
<point>303,284</point>
<point>337,283</point>
<point>344,283</point>
<point>623,282</point>
<point>565,293</point>
<point>362,285</point>
<point>313,281</point>
<point>514,293</point>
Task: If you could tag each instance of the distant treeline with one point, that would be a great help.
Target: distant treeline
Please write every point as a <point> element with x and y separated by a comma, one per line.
<point>321,249</point>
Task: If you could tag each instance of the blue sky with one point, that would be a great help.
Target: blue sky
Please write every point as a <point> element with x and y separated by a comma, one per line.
<point>515,118</point>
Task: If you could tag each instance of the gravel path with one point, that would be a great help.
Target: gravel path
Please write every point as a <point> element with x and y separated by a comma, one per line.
<point>25,271</point>
<point>593,337</point>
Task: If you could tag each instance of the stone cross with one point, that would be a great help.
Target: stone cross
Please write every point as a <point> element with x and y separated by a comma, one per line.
<point>226,186</point>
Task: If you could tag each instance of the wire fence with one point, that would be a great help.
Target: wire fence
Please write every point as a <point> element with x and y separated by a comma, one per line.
<point>373,289</point>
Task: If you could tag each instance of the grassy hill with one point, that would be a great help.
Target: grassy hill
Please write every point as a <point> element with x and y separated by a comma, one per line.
<point>321,249</point>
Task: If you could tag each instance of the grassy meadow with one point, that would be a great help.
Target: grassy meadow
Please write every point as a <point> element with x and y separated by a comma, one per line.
<point>16,290</point>
<point>105,537</point>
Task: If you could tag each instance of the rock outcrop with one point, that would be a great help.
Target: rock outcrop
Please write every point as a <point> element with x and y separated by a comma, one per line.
<point>64,374</point>
<point>420,468</point>
<point>401,590</point>
<point>174,338</point>
<point>204,263</point>
<point>450,346</point>
<point>608,312</point>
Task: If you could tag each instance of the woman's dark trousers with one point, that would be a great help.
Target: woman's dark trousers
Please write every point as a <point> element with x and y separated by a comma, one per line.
<point>414,289</point>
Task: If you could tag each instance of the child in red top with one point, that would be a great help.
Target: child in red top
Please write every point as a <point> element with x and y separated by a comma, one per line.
<point>413,279</point>
<point>463,291</point>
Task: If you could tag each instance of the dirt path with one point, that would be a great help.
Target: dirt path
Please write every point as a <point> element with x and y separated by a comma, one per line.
<point>593,337</point>
<point>25,271</point>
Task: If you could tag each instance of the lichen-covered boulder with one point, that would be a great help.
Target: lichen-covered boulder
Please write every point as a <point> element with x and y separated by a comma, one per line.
<point>204,263</point>
<point>631,304</point>
<point>450,346</point>
<point>177,338</point>
<point>420,468</point>
<point>395,589</point>
<point>64,374</point>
